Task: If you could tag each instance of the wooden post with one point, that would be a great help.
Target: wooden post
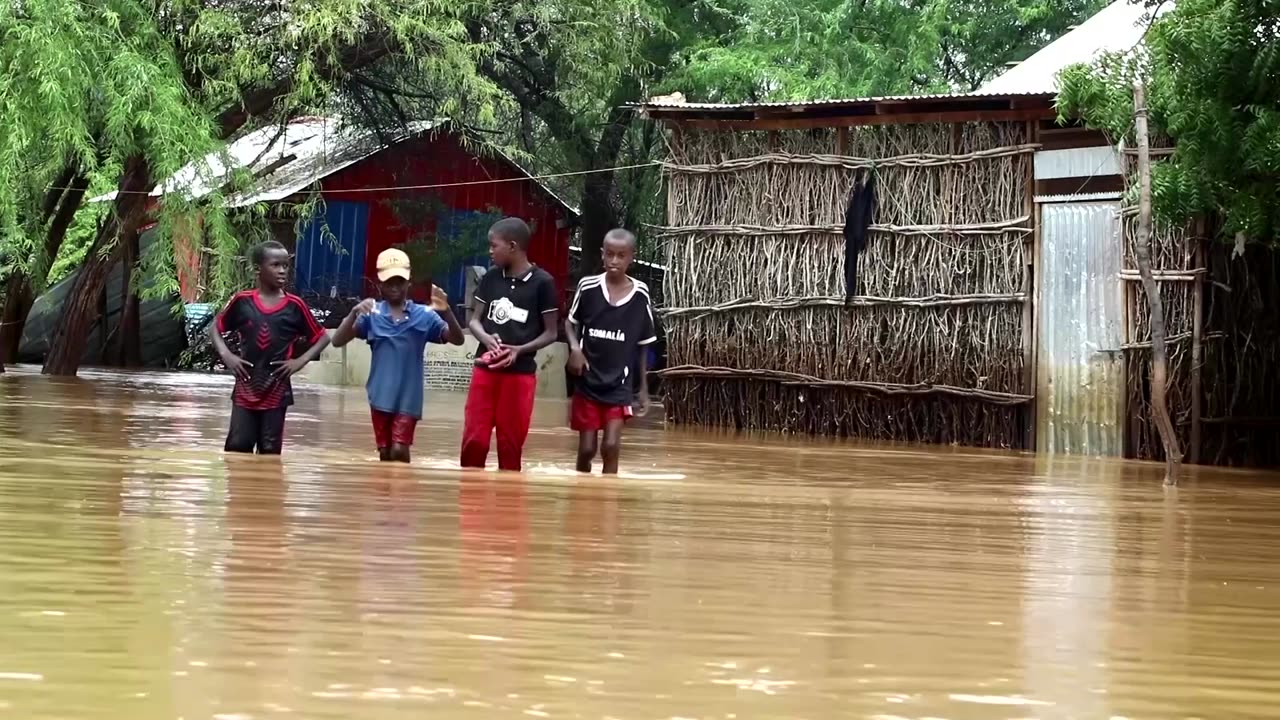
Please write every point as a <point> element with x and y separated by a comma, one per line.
<point>1142,252</point>
<point>1197,343</point>
<point>1031,250</point>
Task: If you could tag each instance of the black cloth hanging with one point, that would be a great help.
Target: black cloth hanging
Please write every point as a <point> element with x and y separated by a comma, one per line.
<point>857,221</point>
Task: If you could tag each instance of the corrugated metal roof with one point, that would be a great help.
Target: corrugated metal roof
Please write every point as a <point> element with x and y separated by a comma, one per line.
<point>1119,27</point>
<point>665,105</point>
<point>308,150</point>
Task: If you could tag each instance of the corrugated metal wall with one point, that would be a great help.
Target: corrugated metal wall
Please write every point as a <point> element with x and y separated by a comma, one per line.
<point>1080,384</point>
<point>323,263</point>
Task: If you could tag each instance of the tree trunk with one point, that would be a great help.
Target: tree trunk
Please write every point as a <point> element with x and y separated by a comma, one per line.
<point>130,333</point>
<point>599,215</point>
<point>1142,252</point>
<point>62,202</point>
<point>81,310</point>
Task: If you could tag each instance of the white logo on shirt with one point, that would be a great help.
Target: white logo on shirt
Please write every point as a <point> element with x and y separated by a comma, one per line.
<point>616,335</point>
<point>502,311</point>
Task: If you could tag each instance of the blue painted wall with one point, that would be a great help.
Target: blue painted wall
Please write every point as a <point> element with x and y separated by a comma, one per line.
<point>323,260</point>
<point>449,224</point>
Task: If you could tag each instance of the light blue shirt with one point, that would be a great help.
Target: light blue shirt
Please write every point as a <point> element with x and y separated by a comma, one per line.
<point>396,370</point>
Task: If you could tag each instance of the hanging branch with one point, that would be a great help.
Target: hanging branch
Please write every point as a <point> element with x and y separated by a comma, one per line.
<point>1159,349</point>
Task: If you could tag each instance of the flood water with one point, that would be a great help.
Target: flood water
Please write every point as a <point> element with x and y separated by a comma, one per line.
<point>144,575</point>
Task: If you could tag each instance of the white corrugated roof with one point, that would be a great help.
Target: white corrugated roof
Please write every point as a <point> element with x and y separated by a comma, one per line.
<point>288,162</point>
<point>1119,27</point>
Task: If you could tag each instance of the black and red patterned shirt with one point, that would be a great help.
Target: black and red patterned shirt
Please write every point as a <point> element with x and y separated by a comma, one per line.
<point>267,336</point>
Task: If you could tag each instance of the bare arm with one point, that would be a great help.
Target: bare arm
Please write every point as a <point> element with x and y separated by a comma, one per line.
<point>549,321</point>
<point>644,372</point>
<point>486,340</point>
<point>346,332</point>
<point>453,330</point>
<point>236,364</point>
<point>571,334</point>
<point>219,345</point>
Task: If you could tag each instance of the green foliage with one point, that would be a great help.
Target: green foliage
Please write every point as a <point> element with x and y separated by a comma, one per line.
<point>433,252</point>
<point>91,86</point>
<point>1211,74</point>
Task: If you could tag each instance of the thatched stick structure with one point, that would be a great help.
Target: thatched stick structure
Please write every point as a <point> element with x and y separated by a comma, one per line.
<point>931,348</point>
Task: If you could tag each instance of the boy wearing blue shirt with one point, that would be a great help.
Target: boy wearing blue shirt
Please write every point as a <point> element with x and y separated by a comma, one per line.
<point>397,330</point>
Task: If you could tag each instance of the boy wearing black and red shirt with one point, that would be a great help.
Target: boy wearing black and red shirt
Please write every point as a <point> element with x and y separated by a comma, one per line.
<point>609,325</point>
<point>513,315</point>
<point>271,326</point>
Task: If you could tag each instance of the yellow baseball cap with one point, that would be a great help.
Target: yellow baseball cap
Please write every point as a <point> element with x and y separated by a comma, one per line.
<point>392,263</point>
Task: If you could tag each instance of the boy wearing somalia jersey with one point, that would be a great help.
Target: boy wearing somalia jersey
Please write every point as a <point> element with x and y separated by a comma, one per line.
<point>271,327</point>
<point>609,325</point>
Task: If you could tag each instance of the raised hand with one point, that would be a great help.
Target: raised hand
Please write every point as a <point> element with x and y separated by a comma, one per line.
<point>439,300</point>
<point>365,307</point>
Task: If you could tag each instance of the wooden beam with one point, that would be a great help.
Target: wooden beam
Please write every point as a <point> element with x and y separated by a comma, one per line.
<point>809,123</point>
<point>1080,185</point>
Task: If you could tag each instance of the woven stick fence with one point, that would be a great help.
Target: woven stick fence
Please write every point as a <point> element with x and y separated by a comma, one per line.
<point>1179,269</point>
<point>932,346</point>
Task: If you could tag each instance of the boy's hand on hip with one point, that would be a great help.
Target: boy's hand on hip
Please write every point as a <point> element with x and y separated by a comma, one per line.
<point>288,368</point>
<point>238,366</point>
<point>439,300</point>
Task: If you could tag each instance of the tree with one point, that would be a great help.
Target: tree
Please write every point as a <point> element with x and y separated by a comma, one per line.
<point>153,85</point>
<point>1210,71</point>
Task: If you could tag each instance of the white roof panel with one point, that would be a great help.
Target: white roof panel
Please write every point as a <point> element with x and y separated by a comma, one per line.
<point>1119,27</point>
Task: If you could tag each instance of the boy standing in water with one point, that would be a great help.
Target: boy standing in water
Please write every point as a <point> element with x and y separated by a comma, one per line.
<point>609,328</point>
<point>271,325</point>
<point>514,315</point>
<point>397,330</point>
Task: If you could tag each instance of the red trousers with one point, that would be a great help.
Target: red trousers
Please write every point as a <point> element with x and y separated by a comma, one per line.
<point>501,401</point>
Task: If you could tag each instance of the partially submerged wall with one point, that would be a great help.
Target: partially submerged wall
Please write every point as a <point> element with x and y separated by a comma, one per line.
<point>937,344</point>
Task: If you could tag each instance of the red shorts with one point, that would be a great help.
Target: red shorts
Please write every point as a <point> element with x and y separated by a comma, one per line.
<point>391,429</point>
<point>587,415</point>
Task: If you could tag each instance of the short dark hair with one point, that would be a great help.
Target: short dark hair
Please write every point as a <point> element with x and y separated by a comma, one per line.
<point>258,254</point>
<point>514,230</point>
<point>622,234</point>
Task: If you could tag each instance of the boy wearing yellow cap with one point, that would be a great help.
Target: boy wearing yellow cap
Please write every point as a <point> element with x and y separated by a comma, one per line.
<point>397,330</point>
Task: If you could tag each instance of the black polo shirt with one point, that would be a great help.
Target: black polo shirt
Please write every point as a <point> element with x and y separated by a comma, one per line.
<point>515,309</point>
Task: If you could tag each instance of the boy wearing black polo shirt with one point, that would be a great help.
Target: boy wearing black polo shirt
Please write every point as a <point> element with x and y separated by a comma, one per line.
<point>271,326</point>
<point>513,315</point>
<point>609,325</point>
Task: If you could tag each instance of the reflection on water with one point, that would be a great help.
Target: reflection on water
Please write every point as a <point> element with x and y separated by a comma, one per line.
<point>145,575</point>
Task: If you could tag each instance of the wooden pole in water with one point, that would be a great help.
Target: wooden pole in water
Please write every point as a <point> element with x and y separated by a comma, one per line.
<point>1142,252</point>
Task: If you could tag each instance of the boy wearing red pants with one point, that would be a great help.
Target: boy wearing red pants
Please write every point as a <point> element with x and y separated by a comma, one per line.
<point>513,315</point>
<point>610,323</point>
<point>397,330</point>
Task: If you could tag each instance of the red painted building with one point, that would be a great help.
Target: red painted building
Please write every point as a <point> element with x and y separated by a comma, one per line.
<point>424,191</point>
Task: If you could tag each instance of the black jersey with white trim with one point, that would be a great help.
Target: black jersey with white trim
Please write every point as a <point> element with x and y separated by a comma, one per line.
<point>611,335</point>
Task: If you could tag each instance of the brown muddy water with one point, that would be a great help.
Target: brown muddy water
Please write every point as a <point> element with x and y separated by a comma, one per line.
<point>143,575</point>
